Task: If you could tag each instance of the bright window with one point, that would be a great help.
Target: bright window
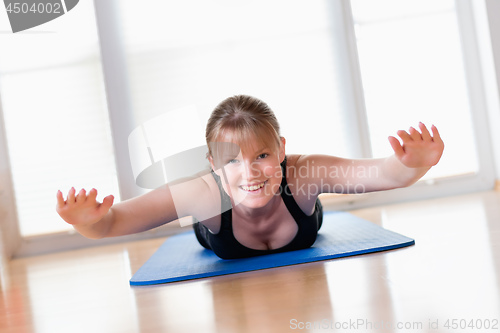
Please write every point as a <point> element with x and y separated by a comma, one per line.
<point>413,70</point>
<point>55,114</point>
<point>280,51</point>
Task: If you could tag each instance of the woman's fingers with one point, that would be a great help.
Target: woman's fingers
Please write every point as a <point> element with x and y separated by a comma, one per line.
<point>404,136</point>
<point>71,196</point>
<point>92,195</point>
<point>415,135</point>
<point>422,135</point>
<point>396,146</point>
<point>107,202</point>
<point>82,208</point>
<point>419,148</point>
<point>426,136</point>
<point>81,196</point>
<point>60,199</point>
<point>435,135</point>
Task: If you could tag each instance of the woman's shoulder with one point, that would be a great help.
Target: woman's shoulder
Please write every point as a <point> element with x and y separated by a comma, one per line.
<point>302,165</point>
<point>305,165</point>
<point>300,168</point>
<point>198,196</point>
<point>291,160</point>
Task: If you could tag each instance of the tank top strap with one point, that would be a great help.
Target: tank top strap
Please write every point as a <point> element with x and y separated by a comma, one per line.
<point>225,204</point>
<point>288,199</point>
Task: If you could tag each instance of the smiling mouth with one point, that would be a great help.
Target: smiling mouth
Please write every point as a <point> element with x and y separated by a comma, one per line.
<point>252,188</point>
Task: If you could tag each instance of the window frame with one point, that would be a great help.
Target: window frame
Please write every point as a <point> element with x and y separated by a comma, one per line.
<point>468,17</point>
<point>119,107</point>
<point>10,236</point>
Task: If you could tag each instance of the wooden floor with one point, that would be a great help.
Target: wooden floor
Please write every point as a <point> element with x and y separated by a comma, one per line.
<point>448,282</point>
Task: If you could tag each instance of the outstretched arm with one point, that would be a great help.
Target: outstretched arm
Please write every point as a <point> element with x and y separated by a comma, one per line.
<point>196,196</point>
<point>96,220</point>
<point>412,158</point>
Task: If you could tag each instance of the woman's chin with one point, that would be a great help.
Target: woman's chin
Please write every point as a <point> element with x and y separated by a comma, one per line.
<point>253,199</point>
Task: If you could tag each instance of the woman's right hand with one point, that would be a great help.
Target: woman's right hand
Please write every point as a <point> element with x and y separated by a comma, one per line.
<point>82,209</point>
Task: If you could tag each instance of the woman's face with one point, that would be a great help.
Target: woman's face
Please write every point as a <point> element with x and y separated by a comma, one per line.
<point>252,176</point>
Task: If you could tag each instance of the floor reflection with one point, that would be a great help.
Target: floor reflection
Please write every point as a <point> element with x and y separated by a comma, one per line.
<point>61,291</point>
<point>175,307</point>
<point>282,297</point>
<point>359,287</point>
<point>451,271</point>
<point>14,303</point>
<point>256,301</point>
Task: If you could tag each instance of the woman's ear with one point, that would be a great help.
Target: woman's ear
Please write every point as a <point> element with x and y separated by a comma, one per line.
<point>217,171</point>
<point>282,149</point>
<point>211,160</point>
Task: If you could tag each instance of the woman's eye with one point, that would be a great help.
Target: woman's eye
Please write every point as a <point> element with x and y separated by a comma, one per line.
<point>264,155</point>
<point>232,161</point>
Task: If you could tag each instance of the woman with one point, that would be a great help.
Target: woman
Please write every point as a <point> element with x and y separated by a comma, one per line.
<point>256,199</point>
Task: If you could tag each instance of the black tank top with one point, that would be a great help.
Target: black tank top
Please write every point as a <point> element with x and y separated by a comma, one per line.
<point>225,245</point>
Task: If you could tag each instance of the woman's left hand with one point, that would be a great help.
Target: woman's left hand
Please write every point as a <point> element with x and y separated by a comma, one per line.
<point>419,149</point>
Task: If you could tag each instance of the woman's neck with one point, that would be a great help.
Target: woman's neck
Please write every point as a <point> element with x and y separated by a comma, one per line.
<point>257,214</point>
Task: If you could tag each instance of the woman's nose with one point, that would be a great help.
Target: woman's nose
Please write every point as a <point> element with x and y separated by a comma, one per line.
<point>251,170</point>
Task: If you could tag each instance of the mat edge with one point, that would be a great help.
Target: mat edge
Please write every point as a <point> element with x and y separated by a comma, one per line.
<point>410,242</point>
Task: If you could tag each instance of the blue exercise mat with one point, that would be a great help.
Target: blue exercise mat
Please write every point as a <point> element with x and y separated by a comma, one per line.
<point>181,257</point>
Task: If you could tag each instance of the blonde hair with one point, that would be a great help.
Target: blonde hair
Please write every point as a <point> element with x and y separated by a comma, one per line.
<point>241,119</point>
